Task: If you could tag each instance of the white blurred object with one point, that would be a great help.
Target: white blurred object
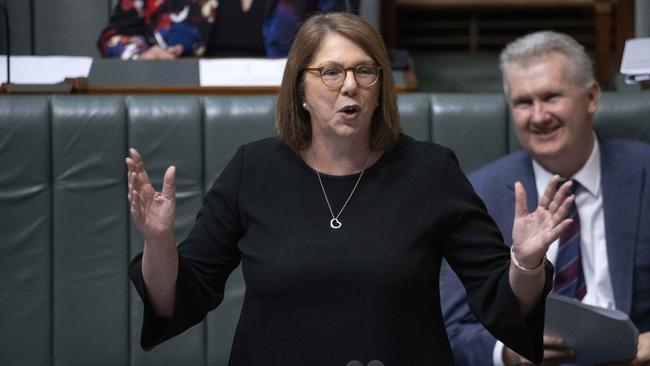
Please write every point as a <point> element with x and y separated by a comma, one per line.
<point>636,60</point>
<point>44,69</point>
<point>241,71</point>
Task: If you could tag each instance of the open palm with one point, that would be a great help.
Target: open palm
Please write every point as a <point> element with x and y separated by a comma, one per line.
<point>153,212</point>
<point>533,233</point>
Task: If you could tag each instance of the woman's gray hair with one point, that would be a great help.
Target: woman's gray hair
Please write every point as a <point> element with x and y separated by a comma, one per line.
<point>530,48</point>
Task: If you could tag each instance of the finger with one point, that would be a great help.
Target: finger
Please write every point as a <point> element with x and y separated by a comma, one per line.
<point>554,342</point>
<point>157,53</point>
<point>129,179</point>
<point>169,183</point>
<point>130,165</point>
<point>564,209</point>
<point>165,56</point>
<point>558,353</point>
<point>138,163</point>
<point>135,207</point>
<point>556,357</point>
<point>549,192</point>
<point>136,184</point>
<point>557,230</point>
<point>521,203</point>
<point>146,56</point>
<point>152,53</point>
<point>176,50</point>
<point>136,158</point>
<point>561,195</point>
<point>130,168</point>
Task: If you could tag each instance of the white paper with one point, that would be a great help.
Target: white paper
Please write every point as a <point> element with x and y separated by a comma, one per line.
<point>241,72</point>
<point>636,57</point>
<point>597,334</point>
<point>44,69</point>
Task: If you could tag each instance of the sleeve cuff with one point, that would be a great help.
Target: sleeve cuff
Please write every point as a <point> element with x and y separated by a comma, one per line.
<point>497,354</point>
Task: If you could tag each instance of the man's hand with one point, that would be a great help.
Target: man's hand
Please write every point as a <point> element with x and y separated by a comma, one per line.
<point>642,357</point>
<point>555,353</point>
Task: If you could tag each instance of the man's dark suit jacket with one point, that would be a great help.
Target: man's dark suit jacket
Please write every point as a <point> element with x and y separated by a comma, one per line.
<point>625,172</point>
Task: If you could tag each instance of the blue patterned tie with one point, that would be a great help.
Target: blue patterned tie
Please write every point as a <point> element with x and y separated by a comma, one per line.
<point>569,278</point>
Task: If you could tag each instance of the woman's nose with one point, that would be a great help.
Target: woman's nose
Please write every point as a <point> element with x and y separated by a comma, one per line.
<point>350,85</point>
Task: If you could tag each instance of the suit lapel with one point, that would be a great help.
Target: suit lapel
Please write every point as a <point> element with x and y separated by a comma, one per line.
<point>621,185</point>
<point>522,171</point>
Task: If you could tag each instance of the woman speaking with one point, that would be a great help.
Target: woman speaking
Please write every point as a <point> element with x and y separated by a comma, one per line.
<point>341,224</point>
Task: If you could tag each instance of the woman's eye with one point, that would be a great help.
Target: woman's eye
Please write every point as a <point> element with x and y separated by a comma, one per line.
<point>365,70</point>
<point>333,71</point>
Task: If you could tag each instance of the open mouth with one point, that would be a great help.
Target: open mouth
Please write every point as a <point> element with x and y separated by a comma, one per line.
<point>350,110</point>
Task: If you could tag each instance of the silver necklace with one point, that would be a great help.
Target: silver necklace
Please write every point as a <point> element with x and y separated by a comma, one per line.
<point>335,223</point>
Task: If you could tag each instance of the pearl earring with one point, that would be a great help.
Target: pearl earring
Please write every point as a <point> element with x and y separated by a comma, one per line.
<point>305,106</point>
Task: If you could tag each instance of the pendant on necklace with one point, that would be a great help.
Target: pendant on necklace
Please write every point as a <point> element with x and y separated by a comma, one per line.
<point>335,223</point>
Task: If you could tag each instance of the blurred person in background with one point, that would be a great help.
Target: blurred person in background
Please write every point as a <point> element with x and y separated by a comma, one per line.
<point>167,29</point>
<point>605,260</point>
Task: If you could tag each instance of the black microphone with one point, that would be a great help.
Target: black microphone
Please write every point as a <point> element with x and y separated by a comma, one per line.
<point>7,38</point>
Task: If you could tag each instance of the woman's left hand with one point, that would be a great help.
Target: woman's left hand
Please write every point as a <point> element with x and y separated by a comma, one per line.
<point>533,233</point>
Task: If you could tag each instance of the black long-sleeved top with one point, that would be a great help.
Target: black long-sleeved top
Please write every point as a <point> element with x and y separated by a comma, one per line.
<point>367,291</point>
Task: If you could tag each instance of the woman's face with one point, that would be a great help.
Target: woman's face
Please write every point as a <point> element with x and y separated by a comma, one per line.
<point>343,112</point>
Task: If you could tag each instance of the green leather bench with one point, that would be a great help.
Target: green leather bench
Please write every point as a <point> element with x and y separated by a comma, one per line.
<point>66,236</point>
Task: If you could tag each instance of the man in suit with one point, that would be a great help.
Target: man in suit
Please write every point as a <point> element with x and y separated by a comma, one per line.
<point>552,96</point>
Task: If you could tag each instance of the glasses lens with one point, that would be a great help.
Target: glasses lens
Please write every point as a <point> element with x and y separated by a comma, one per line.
<point>332,75</point>
<point>366,75</point>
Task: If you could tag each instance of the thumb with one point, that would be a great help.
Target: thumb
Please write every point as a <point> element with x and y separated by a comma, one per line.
<point>176,49</point>
<point>521,202</point>
<point>169,183</point>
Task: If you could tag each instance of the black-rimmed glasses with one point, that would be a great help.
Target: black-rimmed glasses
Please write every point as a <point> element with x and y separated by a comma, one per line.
<point>333,76</point>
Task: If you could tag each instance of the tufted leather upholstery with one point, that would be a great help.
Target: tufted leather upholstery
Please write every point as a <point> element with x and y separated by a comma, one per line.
<point>67,238</point>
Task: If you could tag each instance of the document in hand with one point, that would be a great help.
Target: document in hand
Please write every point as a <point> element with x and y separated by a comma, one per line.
<point>596,334</point>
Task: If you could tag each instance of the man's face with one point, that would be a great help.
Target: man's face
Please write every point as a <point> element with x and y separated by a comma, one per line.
<point>552,113</point>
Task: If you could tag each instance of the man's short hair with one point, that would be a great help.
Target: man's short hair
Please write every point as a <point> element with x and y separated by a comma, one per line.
<point>530,48</point>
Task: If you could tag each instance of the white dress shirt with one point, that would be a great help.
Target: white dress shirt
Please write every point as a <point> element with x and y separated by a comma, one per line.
<point>593,248</point>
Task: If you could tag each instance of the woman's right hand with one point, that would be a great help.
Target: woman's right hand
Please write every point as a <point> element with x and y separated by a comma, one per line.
<point>153,212</point>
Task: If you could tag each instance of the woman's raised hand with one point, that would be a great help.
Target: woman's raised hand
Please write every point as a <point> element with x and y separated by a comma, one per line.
<point>153,212</point>
<point>533,233</point>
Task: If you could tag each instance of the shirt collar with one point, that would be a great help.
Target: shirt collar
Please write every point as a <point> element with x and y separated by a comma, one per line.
<point>588,176</point>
